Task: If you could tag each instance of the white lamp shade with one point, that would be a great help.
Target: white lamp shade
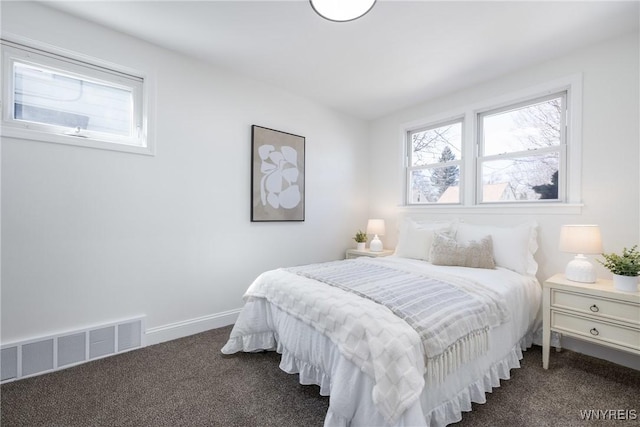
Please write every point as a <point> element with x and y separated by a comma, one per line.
<point>376,226</point>
<point>580,239</point>
<point>341,10</point>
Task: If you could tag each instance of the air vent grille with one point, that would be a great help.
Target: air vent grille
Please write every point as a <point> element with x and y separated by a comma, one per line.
<point>51,353</point>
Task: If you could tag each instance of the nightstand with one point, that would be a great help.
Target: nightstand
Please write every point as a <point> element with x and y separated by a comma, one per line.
<point>594,312</point>
<point>354,253</point>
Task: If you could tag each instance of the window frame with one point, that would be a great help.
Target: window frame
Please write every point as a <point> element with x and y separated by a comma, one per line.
<point>459,162</point>
<point>82,67</point>
<point>572,203</point>
<point>561,149</point>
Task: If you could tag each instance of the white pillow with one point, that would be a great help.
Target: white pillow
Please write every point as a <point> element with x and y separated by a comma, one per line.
<point>513,247</point>
<point>415,240</point>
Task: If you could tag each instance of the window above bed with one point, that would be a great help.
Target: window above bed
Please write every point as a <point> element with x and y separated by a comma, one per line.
<point>62,97</point>
<point>435,159</point>
<point>522,149</point>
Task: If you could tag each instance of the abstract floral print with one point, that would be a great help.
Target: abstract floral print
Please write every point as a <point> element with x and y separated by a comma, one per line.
<point>278,186</point>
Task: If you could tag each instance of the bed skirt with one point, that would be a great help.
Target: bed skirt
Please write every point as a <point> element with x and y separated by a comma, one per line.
<point>316,361</point>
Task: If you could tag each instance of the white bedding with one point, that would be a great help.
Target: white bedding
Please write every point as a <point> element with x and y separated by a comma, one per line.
<point>263,326</point>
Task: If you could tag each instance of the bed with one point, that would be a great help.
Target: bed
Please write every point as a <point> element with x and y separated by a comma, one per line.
<point>406,340</point>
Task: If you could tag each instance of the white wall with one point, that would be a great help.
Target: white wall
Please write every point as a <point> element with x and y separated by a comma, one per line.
<point>90,236</point>
<point>610,150</point>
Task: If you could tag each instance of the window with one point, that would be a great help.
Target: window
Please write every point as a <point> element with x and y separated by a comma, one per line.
<point>522,148</point>
<point>57,98</point>
<point>517,150</point>
<point>435,155</point>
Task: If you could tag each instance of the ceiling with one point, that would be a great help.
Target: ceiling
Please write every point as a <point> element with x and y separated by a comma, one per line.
<point>399,54</point>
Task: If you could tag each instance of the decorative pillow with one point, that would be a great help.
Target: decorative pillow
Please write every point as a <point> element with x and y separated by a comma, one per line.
<point>477,254</point>
<point>414,240</point>
<point>513,247</point>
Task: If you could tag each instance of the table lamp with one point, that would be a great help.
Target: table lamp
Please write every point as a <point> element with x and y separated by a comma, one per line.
<point>375,227</point>
<point>580,240</point>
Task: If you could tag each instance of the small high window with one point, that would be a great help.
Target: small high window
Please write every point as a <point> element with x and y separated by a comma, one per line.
<point>55,98</point>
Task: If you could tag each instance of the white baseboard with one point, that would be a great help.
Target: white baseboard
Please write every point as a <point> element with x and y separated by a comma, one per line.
<point>185,328</point>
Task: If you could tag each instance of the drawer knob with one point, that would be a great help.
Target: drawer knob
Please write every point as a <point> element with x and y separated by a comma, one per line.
<point>594,331</point>
<point>594,308</point>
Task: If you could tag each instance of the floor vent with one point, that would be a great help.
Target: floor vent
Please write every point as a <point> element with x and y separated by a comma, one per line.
<point>47,354</point>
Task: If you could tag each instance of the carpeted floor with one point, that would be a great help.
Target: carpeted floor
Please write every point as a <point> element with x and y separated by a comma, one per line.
<point>188,382</point>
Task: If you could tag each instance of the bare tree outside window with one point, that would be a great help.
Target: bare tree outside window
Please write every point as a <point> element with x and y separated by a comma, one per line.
<point>435,155</point>
<point>521,149</point>
<point>516,153</point>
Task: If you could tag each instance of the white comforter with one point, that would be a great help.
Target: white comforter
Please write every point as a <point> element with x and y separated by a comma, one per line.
<point>263,325</point>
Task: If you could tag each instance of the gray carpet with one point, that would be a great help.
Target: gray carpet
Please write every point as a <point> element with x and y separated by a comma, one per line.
<point>188,382</point>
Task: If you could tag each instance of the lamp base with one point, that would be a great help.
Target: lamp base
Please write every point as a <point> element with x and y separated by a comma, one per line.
<point>581,270</point>
<point>376,244</point>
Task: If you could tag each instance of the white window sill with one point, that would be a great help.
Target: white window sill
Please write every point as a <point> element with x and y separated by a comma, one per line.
<point>33,135</point>
<point>498,209</point>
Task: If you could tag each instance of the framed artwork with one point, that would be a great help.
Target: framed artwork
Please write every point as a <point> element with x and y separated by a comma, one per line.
<point>277,175</point>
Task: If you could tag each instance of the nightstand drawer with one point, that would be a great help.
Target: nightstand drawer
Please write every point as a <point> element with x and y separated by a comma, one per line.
<point>595,306</point>
<point>596,330</point>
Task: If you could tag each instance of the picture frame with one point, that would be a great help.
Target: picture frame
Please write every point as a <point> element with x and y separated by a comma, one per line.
<point>277,175</point>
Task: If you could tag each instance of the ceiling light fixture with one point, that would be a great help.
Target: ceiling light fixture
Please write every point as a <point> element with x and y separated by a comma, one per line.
<point>342,10</point>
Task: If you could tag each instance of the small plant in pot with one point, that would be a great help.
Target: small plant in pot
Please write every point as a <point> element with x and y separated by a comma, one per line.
<point>625,268</point>
<point>361,239</point>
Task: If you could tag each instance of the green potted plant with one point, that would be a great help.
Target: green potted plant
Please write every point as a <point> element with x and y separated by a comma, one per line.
<point>625,268</point>
<point>361,239</point>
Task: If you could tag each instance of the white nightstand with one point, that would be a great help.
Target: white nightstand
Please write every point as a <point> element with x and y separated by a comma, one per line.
<point>594,312</point>
<point>354,253</point>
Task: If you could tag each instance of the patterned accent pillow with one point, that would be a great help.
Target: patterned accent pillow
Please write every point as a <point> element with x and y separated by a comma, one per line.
<point>513,246</point>
<point>476,254</point>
